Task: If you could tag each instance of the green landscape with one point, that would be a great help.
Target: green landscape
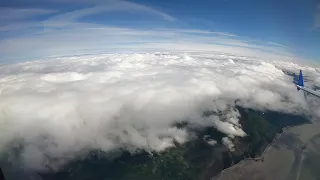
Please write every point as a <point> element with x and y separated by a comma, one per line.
<point>195,159</point>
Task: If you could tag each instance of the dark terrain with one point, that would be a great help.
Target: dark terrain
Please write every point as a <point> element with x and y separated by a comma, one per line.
<point>192,160</point>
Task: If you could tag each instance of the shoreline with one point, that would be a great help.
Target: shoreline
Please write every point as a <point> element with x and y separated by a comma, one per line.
<point>278,135</point>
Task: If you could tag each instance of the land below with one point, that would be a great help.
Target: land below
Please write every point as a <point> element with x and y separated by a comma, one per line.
<point>194,160</point>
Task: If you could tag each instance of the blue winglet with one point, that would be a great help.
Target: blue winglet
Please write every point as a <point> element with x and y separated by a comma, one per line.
<point>300,82</point>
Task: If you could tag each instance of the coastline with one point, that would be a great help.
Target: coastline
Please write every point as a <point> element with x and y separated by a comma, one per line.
<point>278,135</point>
<point>269,151</point>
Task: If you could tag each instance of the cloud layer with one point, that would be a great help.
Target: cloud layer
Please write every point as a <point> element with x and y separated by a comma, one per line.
<point>58,108</point>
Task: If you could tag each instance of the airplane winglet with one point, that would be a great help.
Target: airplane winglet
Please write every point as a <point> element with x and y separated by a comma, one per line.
<point>300,81</point>
<point>300,86</point>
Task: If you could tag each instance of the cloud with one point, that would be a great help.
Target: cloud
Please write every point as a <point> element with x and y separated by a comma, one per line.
<point>26,21</point>
<point>66,33</point>
<point>86,38</point>
<point>64,19</point>
<point>277,44</point>
<point>57,109</point>
<point>201,31</point>
<point>210,141</point>
<point>227,142</point>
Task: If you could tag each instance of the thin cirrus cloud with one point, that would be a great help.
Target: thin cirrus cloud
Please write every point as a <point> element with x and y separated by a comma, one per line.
<point>65,33</point>
<point>105,39</point>
<point>107,7</point>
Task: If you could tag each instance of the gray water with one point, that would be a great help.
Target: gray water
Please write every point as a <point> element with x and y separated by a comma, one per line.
<point>294,155</point>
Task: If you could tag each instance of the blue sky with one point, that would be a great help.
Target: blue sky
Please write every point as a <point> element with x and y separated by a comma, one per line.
<point>41,28</point>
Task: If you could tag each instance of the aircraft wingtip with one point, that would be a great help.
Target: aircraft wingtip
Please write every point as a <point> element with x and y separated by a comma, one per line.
<point>300,82</point>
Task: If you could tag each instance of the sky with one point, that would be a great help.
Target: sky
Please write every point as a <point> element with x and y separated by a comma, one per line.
<point>44,28</point>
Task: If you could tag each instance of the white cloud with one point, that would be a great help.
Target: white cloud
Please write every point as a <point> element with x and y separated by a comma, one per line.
<point>227,142</point>
<point>63,107</point>
<point>210,141</point>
